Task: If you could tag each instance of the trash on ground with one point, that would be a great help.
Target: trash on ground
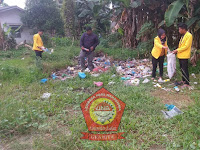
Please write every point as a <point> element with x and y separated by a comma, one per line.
<point>169,107</point>
<point>111,83</point>
<point>125,78</point>
<point>195,82</point>
<point>95,75</point>
<point>46,95</point>
<point>43,80</point>
<point>146,80</point>
<point>171,64</point>
<point>82,75</point>
<point>22,59</point>
<point>193,75</point>
<point>113,76</point>
<point>167,80</point>
<point>54,76</point>
<point>173,112</point>
<point>98,83</point>
<point>158,85</point>
<point>176,88</point>
<point>135,82</point>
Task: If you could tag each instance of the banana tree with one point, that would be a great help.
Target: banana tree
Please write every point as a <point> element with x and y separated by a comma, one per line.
<point>95,13</point>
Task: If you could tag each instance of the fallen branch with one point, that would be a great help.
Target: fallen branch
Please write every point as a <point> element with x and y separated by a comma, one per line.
<point>24,44</point>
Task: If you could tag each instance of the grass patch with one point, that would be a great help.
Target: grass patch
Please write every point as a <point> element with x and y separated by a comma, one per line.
<point>56,123</point>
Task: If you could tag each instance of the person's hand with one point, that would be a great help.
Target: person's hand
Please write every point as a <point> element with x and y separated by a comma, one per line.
<point>84,49</point>
<point>175,51</point>
<point>92,48</point>
<point>165,47</point>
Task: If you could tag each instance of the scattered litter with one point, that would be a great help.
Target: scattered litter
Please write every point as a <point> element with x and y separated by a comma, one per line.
<point>173,112</point>
<point>0,84</point>
<point>82,75</point>
<point>194,76</point>
<point>146,80</point>
<point>196,83</point>
<point>87,70</point>
<point>22,59</point>
<point>158,85</point>
<point>125,78</point>
<point>135,82</point>
<point>113,76</point>
<point>160,80</point>
<point>167,80</point>
<point>176,88</point>
<point>46,95</point>
<point>95,75</point>
<point>98,83</point>
<point>43,80</point>
<point>111,83</point>
<point>169,107</point>
<point>54,76</point>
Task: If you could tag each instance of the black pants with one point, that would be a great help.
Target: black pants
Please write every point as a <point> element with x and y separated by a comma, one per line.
<point>184,69</point>
<point>155,61</point>
<point>38,53</point>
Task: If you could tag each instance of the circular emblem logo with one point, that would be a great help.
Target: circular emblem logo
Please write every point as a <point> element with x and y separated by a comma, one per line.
<point>103,111</point>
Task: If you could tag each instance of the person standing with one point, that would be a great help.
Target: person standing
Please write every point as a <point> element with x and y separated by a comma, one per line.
<point>88,43</point>
<point>37,47</point>
<point>38,43</point>
<point>184,52</point>
<point>159,52</point>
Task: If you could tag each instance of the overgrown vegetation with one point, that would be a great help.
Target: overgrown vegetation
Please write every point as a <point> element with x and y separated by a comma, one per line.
<point>55,123</point>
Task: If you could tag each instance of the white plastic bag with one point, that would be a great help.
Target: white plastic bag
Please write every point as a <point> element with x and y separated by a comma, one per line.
<point>171,64</point>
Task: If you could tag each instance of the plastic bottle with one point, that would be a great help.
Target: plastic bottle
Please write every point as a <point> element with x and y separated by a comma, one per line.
<point>167,80</point>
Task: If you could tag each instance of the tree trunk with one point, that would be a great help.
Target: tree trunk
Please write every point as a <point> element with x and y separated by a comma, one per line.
<point>1,38</point>
<point>68,15</point>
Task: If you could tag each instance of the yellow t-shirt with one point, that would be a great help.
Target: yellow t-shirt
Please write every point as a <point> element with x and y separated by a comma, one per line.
<point>185,45</point>
<point>37,41</point>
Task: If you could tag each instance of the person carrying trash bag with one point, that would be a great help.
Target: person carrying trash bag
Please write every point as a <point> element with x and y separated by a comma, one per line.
<point>88,43</point>
<point>159,52</point>
<point>184,52</point>
<point>37,47</point>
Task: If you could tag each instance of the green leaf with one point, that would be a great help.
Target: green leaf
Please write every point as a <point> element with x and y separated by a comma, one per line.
<point>172,12</point>
<point>191,21</point>
<point>84,13</point>
<point>121,31</point>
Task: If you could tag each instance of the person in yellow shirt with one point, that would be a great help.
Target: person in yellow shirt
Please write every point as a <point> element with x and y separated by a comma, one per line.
<point>38,43</point>
<point>183,52</point>
<point>159,52</point>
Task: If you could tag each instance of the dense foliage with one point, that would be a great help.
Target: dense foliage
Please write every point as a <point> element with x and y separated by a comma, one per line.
<point>43,14</point>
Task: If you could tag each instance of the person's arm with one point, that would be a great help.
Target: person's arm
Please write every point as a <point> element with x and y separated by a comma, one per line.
<point>96,42</point>
<point>166,49</point>
<point>157,44</point>
<point>188,43</point>
<point>81,42</point>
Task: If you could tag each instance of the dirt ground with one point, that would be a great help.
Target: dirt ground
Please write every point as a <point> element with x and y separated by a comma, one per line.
<point>180,99</point>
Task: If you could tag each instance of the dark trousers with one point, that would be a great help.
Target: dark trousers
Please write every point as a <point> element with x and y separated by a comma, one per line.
<point>184,69</point>
<point>38,53</point>
<point>90,56</point>
<point>155,61</point>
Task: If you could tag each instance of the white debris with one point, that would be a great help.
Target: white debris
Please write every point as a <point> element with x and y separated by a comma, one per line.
<point>46,95</point>
<point>146,80</point>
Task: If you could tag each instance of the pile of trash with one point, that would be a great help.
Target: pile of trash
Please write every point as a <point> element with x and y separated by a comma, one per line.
<point>130,71</point>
